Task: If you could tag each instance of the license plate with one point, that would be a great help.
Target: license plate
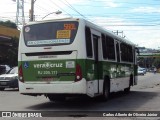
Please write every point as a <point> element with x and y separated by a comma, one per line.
<point>3,83</point>
<point>47,79</point>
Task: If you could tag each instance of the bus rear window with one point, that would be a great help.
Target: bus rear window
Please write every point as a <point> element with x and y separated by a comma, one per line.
<point>51,33</point>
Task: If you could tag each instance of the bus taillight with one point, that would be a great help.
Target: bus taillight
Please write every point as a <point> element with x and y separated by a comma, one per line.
<point>21,74</point>
<point>78,73</point>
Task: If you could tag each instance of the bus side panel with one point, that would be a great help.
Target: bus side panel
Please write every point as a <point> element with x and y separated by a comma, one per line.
<point>93,76</point>
<point>119,75</point>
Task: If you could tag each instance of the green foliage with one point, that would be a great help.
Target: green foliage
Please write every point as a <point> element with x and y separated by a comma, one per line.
<point>8,24</point>
<point>156,62</point>
<point>149,62</point>
<point>9,54</point>
<point>13,53</point>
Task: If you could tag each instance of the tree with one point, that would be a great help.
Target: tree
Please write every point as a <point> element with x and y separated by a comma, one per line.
<point>12,53</point>
<point>8,24</point>
<point>156,62</point>
<point>9,53</point>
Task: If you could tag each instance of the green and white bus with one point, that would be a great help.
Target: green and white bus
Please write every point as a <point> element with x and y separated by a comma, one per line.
<point>69,57</point>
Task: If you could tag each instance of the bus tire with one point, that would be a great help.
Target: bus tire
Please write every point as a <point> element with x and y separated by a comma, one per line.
<point>56,98</point>
<point>106,89</point>
<point>127,90</point>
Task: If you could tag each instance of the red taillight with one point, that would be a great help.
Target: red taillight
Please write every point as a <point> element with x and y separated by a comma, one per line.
<point>78,73</point>
<point>21,74</point>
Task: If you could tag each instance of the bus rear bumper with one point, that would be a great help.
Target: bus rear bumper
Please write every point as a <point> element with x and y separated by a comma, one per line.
<point>69,87</point>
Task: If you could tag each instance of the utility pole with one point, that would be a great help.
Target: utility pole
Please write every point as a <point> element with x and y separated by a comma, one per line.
<point>31,11</point>
<point>20,20</point>
<point>117,32</point>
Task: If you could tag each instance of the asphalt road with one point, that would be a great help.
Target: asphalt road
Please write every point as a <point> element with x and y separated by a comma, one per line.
<point>143,97</point>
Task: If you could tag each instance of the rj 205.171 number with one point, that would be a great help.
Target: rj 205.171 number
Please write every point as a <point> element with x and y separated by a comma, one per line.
<point>47,72</point>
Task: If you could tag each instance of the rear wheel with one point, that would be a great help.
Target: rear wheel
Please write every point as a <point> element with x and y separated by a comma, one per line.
<point>106,90</point>
<point>127,90</point>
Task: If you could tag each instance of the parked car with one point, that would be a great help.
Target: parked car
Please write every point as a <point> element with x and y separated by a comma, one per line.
<point>144,69</point>
<point>4,69</point>
<point>10,79</point>
<point>140,71</point>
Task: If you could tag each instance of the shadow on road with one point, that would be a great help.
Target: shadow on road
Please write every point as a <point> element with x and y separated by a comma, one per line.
<point>117,102</point>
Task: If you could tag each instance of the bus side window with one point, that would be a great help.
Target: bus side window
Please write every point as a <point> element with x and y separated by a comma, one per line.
<point>88,42</point>
<point>118,51</point>
<point>123,52</point>
<point>130,52</point>
<point>110,48</point>
<point>104,48</point>
<point>127,53</point>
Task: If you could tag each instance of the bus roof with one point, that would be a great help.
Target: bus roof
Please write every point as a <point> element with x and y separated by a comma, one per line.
<point>110,33</point>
